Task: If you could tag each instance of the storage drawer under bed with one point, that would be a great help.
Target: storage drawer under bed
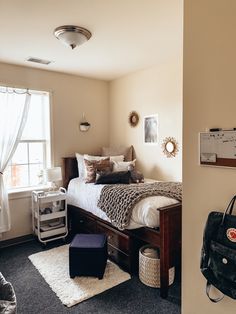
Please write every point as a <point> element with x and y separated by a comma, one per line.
<point>115,238</point>
<point>83,224</point>
<point>119,257</point>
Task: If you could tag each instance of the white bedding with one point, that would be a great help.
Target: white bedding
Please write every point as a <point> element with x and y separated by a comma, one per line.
<point>145,213</point>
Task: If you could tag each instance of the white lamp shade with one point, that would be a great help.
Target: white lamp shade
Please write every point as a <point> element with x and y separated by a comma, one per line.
<point>53,174</point>
<point>72,35</point>
<point>71,38</point>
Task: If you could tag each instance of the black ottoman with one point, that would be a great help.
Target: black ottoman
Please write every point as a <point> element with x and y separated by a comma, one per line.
<point>88,255</point>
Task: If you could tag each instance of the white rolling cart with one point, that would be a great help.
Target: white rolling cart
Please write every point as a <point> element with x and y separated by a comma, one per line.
<point>49,215</point>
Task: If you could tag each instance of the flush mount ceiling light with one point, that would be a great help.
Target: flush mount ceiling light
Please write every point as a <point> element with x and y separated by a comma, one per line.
<point>71,35</point>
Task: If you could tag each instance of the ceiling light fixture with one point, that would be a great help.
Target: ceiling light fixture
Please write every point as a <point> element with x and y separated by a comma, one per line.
<point>71,35</point>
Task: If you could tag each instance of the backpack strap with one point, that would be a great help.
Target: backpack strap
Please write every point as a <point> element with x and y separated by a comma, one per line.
<point>208,288</point>
<point>229,209</point>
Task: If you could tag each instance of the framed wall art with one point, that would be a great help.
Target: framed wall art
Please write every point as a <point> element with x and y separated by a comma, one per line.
<point>151,129</point>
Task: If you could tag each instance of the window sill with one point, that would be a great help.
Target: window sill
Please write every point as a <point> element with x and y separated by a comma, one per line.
<point>25,192</point>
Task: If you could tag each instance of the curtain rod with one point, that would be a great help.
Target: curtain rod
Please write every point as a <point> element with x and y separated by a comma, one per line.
<point>12,90</point>
<point>27,90</point>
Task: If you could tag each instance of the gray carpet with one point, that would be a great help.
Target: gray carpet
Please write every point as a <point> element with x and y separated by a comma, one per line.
<point>35,296</point>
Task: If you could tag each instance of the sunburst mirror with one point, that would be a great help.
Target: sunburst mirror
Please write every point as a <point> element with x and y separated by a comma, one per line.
<point>133,118</point>
<point>170,147</point>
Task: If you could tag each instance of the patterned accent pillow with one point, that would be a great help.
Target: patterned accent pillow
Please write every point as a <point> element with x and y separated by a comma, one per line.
<point>92,166</point>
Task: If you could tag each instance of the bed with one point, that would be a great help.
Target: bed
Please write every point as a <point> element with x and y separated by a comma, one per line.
<point>124,245</point>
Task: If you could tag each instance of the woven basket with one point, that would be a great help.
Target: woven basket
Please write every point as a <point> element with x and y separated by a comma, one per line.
<point>149,269</point>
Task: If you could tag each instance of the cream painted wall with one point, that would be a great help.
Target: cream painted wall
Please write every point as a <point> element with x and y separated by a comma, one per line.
<point>157,90</point>
<point>70,97</point>
<point>209,101</point>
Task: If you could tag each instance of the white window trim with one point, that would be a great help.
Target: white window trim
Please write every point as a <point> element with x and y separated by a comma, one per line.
<point>22,192</point>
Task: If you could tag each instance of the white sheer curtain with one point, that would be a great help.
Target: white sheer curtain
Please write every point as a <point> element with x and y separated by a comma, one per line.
<point>14,107</point>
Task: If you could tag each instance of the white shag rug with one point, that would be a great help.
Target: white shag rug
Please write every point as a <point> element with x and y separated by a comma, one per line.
<point>53,265</point>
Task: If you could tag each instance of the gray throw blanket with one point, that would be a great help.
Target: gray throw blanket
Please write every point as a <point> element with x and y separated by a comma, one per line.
<point>7,297</point>
<point>118,200</point>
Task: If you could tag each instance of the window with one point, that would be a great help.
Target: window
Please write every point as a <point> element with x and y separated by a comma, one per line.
<point>33,152</point>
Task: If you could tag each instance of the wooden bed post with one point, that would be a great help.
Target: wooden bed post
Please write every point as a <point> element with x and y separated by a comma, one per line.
<point>164,256</point>
<point>170,245</point>
<point>70,170</point>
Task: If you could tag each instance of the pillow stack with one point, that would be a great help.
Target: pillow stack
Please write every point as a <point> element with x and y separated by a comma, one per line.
<point>112,167</point>
<point>89,166</point>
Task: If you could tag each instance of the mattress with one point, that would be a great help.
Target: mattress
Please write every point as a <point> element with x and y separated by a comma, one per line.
<point>144,214</point>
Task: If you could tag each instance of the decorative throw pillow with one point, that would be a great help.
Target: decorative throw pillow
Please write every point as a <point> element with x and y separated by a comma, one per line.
<point>136,176</point>
<point>121,150</point>
<point>123,165</point>
<point>92,166</point>
<point>121,177</point>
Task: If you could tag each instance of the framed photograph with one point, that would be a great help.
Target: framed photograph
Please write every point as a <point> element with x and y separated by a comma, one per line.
<point>151,129</point>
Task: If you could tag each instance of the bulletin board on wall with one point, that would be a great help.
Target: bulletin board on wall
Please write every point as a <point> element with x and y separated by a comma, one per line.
<point>218,148</point>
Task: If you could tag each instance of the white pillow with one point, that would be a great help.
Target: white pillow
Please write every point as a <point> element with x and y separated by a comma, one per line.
<point>97,158</point>
<point>122,165</point>
<point>117,158</point>
<point>81,166</point>
<point>91,157</point>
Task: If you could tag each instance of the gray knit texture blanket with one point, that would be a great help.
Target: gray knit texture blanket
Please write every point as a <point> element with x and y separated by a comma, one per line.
<point>118,200</point>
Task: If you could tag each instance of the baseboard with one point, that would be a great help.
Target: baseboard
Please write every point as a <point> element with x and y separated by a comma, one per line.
<point>18,240</point>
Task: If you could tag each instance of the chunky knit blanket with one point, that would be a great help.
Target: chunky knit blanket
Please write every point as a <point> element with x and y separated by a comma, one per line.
<point>118,200</point>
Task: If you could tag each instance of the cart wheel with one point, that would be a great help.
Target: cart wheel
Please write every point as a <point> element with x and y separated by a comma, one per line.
<point>64,239</point>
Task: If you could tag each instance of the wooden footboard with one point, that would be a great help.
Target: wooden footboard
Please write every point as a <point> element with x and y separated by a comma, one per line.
<point>123,246</point>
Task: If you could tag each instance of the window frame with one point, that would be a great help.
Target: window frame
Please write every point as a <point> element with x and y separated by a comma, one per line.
<point>28,164</point>
<point>25,191</point>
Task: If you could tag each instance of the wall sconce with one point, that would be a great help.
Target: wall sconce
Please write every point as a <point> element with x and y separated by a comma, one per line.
<point>84,124</point>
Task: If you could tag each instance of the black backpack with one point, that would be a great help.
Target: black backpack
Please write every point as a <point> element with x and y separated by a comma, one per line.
<point>218,256</point>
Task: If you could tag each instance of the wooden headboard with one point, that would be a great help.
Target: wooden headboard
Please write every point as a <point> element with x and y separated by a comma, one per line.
<point>70,170</point>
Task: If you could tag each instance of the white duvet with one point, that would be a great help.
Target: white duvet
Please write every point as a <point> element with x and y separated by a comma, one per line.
<point>145,213</point>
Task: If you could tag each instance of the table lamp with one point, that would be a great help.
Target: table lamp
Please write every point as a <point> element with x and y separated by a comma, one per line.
<point>53,175</point>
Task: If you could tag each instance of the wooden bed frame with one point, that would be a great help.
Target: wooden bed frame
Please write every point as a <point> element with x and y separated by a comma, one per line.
<point>123,246</point>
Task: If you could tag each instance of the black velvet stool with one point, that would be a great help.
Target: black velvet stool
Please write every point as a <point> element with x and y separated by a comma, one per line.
<point>88,255</point>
